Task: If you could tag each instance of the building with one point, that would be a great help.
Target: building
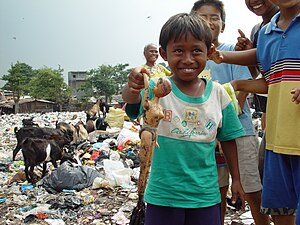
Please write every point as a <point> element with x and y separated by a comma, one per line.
<point>75,80</point>
<point>36,105</point>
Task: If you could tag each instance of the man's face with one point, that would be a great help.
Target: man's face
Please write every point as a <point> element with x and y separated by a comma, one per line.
<point>261,7</point>
<point>151,54</point>
<point>213,16</point>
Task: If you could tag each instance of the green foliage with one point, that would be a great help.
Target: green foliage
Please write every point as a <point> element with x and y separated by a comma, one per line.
<point>49,84</point>
<point>18,77</point>
<point>106,80</point>
<point>121,74</point>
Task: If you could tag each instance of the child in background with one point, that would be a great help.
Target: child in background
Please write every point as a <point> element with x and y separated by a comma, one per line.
<point>183,184</point>
<point>266,9</point>
<point>247,146</point>
<point>277,54</point>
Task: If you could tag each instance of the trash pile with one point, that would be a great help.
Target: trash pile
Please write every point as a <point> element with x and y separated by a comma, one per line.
<point>99,187</point>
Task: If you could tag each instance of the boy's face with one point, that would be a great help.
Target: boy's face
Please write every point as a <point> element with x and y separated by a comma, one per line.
<point>186,56</point>
<point>213,16</point>
<point>286,4</point>
<point>260,8</point>
<point>151,54</point>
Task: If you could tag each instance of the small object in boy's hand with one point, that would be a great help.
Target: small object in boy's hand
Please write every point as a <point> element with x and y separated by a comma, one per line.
<point>237,205</point>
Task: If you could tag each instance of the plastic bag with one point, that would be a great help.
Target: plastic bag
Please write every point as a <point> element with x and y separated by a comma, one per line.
<point>129,133</point>
<point>115,117</point>
<point>116,174</point>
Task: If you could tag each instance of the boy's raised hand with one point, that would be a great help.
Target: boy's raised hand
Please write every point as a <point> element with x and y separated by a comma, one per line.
<point>214,54</point>
<point>136,79</point>
<point>243,43</point>
<point>296,95</point>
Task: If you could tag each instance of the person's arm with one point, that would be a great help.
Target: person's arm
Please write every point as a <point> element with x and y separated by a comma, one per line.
<point>241,97</point>
<point>243,58</point>
<point>245,43</point>
<point>230,152</point>
<point>131,91</point>
<point>296,95</point>
<point>251,86</point>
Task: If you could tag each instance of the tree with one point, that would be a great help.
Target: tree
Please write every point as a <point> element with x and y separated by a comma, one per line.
<point>106,80</point>
<point>18,77</point>
<point>49,84</point>
<point>121,75</point>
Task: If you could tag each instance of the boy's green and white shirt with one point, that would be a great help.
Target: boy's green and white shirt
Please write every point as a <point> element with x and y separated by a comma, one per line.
<point>184,172</point>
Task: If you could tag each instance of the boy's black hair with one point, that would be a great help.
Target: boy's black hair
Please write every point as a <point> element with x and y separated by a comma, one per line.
<point>216,3</point>
<point>181,25</point>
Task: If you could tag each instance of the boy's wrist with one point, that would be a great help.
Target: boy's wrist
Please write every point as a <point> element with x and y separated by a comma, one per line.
<point>233,84</point>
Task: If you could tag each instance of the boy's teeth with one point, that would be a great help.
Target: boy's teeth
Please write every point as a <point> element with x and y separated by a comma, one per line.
<point>189,70</point>
<point>257,6</point>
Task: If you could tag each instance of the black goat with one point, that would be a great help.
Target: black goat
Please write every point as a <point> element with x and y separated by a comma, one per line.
<point>34,132</point>
<point>38,150</point>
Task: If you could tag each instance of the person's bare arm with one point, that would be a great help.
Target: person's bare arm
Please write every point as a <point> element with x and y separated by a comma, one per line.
<point>258,86</point>
<point>241,97</point>
<point>244,43</point>
<point>243,58</point>
<point>230,152</point>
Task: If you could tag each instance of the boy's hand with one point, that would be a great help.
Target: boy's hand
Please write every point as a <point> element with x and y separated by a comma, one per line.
<point>136,79</point>
<point>237,191</point>
<point>214,54</point>
<point>296,95</point>
<point>243,42</point>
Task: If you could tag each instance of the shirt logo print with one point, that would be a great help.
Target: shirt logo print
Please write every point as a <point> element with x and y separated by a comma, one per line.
<point>209,125</point>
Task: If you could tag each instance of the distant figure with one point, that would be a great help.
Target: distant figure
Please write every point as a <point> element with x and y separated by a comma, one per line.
<point>151,55</point>
<point>266,11</point>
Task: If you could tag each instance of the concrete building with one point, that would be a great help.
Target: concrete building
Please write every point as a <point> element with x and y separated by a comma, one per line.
<point>75,80</point>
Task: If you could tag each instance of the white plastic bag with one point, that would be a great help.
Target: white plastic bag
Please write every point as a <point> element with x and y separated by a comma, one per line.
<point>116,174</point>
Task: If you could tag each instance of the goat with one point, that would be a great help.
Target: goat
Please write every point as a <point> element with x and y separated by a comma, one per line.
<point>29,123</point>
<point>104,108</point>
<point>68,129</point>
<point>94,110</point>
<point>101,124</point>
<point>96,124</point>
<point>33,132</point>
<point>90,125</point>
<point>82,132</point>
<point>42,150</point>
<point>100,105</point>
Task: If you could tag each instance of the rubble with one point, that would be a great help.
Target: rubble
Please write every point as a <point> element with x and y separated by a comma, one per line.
<point>108,200</point>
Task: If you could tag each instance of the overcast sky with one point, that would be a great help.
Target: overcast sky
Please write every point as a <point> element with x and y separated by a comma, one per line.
<point>83,34</point>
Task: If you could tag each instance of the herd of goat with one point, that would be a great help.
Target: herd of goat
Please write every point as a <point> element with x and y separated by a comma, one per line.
<point>42,145</point>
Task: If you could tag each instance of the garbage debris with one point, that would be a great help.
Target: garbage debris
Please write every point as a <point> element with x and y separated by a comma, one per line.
<point>99,186</point>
